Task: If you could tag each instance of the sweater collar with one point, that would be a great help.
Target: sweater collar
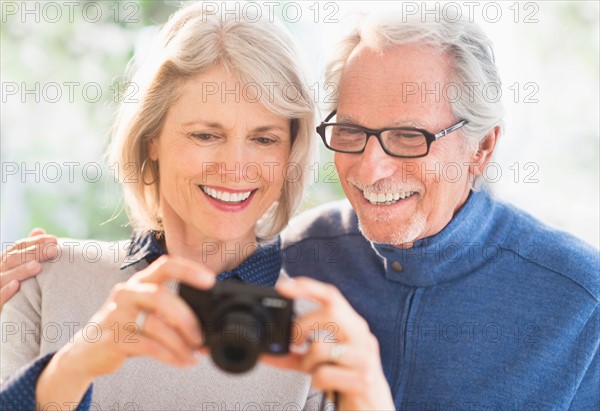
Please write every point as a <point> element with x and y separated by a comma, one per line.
<point>468,241</point>
<point>261,268</point>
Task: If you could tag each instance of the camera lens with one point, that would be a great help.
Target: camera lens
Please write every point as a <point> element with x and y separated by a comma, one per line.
<point>241,342</point>
<point>240,321</point>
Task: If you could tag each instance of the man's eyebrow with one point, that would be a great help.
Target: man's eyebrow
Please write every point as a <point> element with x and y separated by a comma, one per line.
<point>404,123</point>
<point>347,118</point>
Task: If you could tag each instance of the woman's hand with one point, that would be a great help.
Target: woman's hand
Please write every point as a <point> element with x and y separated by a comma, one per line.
<point>167,330</point>
<point>170,331</point>
<point>345,357</point>
<point>22,260</point>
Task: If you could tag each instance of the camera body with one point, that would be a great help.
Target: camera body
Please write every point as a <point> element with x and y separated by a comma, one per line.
<point>240,321</point>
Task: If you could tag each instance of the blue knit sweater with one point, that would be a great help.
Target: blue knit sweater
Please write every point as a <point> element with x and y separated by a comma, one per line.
<point>495,312</point>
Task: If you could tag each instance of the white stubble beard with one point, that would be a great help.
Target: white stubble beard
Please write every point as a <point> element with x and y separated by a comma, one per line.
<point>406,233</point>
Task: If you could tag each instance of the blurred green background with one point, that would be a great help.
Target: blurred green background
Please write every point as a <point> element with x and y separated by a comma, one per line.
<point>62,73</point>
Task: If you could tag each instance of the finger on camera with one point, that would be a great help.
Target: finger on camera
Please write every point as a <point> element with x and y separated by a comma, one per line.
<point>331,313</point>
<point>158,299</point>
<point>7,292</point>
<point>298,287</point>
<point>175,268</point>
<point>320,325</point>
<point>164,334</point>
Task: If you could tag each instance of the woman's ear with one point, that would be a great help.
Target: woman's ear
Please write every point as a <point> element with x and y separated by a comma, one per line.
<point>484,154</point>
<point>152,147</point>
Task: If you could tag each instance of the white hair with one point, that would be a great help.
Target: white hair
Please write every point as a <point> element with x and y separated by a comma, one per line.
<point>473,68</point>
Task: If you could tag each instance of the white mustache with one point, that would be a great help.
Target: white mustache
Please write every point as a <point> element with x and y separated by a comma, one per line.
<point>385,185</point>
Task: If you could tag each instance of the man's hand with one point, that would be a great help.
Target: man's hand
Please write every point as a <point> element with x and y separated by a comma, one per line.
<point>22,260</point>
<point>345,358</point>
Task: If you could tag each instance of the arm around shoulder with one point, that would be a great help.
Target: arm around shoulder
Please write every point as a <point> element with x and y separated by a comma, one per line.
<point>20,332</point>
<point>20,328</point>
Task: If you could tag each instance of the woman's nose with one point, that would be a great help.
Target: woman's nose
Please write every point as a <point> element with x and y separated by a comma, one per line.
<point>233,160</point>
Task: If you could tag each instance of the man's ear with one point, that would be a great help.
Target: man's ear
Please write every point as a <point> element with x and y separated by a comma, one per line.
<point>152,147</point>
<point>485,151</point>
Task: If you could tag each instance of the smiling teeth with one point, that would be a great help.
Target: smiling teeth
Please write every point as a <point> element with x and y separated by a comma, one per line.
<point>225,196</point>
<point>387,198</point>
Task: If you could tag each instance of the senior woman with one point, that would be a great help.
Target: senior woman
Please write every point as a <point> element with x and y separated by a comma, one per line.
<point>212,139</point>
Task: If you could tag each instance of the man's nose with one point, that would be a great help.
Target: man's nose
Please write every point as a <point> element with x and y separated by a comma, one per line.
<point>375,163</point>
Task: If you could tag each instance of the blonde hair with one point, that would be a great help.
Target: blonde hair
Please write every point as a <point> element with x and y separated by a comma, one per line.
<point>191,42</point>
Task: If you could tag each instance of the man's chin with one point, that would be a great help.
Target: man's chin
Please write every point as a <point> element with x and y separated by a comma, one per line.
<point>386,231</point>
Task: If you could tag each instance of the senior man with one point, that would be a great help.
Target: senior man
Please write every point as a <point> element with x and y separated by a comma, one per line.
<point>476,305</point>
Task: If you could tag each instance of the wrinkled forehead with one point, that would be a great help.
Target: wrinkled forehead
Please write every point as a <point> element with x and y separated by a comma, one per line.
<point>400,83</point>
<point>395,65</point>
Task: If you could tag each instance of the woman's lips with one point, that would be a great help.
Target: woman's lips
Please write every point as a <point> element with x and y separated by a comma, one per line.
<point>227,199</point>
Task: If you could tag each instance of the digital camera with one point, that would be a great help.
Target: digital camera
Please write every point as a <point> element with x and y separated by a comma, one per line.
<point>241,321</point>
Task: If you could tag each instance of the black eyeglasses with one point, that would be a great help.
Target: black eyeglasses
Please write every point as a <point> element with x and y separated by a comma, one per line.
<point>403,142</point>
